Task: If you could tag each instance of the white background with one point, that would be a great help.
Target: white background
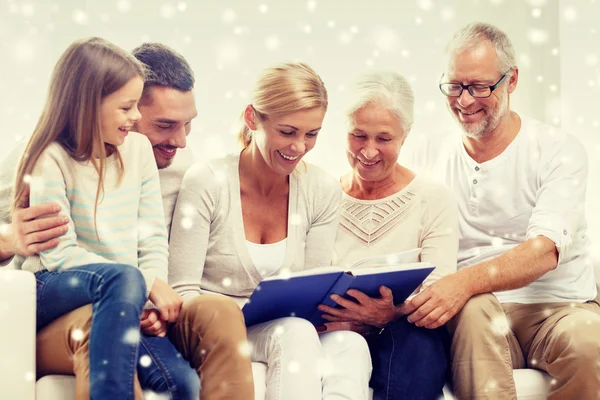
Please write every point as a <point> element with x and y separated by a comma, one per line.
<point>228,42</point>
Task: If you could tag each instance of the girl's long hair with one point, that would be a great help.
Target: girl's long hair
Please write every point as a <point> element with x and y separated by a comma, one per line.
<point>88,71</point>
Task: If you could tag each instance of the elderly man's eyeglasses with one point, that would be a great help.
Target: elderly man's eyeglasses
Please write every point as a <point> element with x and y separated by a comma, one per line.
<point>478,91</point>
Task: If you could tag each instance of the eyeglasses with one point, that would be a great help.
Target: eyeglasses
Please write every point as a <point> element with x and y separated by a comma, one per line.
<point>477,91</point>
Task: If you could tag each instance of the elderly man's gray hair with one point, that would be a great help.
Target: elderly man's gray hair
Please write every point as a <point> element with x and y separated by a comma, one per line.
<point>472,34</point>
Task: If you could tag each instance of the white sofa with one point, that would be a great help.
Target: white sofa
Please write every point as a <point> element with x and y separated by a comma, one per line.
<point>17,350</point>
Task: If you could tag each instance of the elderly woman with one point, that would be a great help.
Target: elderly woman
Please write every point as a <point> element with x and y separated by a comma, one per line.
<point>386,209</point>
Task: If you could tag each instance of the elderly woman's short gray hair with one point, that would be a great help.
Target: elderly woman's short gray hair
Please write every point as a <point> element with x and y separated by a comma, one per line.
<point>388,90</point>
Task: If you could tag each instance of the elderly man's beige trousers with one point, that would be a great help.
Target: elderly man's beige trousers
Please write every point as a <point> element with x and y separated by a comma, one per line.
<point>490,339</point>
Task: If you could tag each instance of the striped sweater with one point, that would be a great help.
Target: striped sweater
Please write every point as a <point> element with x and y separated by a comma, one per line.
<point>129,225</point>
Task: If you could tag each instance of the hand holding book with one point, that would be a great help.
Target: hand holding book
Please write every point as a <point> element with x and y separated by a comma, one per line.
<point>376,312</point>
<point>299,295</point>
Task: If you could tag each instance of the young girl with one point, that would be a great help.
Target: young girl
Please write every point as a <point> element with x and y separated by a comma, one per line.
<point>113,252</point>
<point>262,212</point>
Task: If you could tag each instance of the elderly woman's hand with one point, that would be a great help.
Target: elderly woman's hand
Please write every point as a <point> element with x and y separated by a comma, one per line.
<point>368,311</point>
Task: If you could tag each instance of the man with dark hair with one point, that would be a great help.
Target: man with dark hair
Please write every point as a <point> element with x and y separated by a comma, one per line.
<point>213,346</point>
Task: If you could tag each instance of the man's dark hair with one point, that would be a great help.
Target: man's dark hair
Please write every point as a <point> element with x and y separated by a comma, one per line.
<point>164,67</point>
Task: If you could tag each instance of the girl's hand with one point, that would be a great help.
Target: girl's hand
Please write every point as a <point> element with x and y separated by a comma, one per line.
<point>166,300</point>
<point>152,325</point>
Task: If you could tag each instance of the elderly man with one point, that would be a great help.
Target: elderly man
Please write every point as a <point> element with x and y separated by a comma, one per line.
<point>210,344</point>
<point>525,292</point>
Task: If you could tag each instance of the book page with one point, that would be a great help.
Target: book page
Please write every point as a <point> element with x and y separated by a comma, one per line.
<point>287,274</point>
<point>389,268</point>
<point>404,257</point>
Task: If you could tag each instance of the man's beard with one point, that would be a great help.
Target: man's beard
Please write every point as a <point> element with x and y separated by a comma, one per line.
<point>486,126</point>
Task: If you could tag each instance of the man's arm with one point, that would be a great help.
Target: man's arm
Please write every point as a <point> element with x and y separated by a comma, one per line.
<point>19,234</point>
<point>26,236</point>
<point>518,267</point>
<point>554,222</point>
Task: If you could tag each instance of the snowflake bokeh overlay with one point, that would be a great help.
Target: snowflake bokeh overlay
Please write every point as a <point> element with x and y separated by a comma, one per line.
<point>228,43</point>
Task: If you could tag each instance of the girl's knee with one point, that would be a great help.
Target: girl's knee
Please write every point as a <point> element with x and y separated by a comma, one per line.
<point>125,280</point>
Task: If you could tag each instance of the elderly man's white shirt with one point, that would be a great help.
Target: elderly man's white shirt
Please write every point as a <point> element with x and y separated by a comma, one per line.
<point>537,186</point>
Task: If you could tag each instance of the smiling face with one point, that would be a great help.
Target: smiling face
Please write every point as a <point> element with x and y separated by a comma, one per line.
<point>119,112</point>
<point>167,116</point>
<point>479,117</point>
<point>284,139</point>
<point>374,141</point>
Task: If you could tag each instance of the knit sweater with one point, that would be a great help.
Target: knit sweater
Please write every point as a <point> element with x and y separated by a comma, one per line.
<point>208,250</point>
<point>129,224</point>
<point>421,215</point>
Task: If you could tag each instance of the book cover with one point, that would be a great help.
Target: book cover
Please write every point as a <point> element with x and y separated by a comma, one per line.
<point>299,295</point>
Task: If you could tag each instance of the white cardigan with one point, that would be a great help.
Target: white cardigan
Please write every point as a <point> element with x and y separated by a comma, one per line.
<point>208,249</point>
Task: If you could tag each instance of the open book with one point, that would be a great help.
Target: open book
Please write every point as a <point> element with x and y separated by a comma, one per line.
<point>298,295</point>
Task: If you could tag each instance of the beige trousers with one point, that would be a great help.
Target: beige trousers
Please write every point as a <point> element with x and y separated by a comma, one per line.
<point>490,339</point>
<point>210,333</point>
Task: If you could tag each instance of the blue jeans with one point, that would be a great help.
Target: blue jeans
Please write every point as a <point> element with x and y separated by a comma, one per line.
<point>162,369</point>
<point>409,362</point>
<point>118,294</point>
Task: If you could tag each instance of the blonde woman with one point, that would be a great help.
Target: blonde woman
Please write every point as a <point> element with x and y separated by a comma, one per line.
<point>264,211</point>
<point>104,182</point>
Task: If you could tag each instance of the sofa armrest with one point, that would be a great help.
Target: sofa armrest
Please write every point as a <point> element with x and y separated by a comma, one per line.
<point>17,336</point>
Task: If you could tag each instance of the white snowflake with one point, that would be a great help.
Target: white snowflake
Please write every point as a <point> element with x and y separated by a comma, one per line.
<point>345,37</point>
<point>245,348</point>
<point>386,39</point>
<point>182,6</point>
<point>132,336</point>
<point>186,223</point>
<point>77,335</point>
<point>536,13</point>
<point>425,4</point>
<point>570,14</point>
<point>229,16</point>
<point>500,325</point>
<point>145,361</point>
<point>167,11</point>
<point>307,28</point>
<point>331,23</point>
<point>227,282</point>
<point>30,376</point>
<point>27,10</point>
<point>447,14</point>
<point>80,17</point>
<point>272,42</point>
<point>228,53</point>
<point>123,6</point>
<point>294,367</point>
<point>591,59</point>
<point>24,51</point>
<point>537,36</point>
<point>263,8</point>
<point>497,242</point>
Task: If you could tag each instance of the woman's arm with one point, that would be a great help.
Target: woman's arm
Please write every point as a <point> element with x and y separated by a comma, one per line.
<point>320,239</point>
<point>190,230</point>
